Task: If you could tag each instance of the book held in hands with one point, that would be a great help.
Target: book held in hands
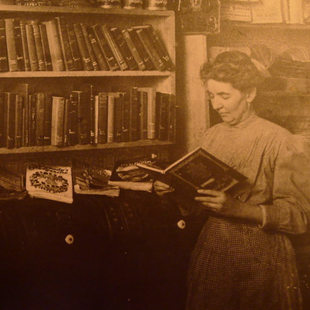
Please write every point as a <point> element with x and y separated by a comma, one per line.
<point>197,169</point>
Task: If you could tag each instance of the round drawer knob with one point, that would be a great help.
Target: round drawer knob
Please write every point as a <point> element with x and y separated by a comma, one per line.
<point>69,239</point>
<point>181,224</point>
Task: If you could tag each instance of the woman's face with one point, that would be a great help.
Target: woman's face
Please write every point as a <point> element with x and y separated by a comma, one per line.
<point>232,105</point>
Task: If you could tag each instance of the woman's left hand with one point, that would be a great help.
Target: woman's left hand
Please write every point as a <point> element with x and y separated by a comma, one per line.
<point>216,201</point>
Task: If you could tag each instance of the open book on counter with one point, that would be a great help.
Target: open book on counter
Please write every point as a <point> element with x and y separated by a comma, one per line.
<point>197,169</point>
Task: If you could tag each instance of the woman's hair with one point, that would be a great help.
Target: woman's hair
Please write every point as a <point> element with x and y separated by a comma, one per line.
<point>233,67</point>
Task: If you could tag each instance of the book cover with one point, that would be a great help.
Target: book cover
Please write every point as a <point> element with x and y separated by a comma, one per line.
<point>151,110</point>
<point>54,45</point>
<point>32,119</point>
<point>64,43</point>
<point>33,59</point>
<point>74,48</point>
<point>102,117</point>
<point>118,114</point>
<point>143,114</point>
<point>150,48</point>
<point>114,47</point>
<point>10,44</point>
<point>18,45</point>
<point>92,127</point>
<point>9,119</point>
<point>47,125</point>
<point>110,119</point>
<point>88,45</point>
<point>22,24</point>
<point>97,51</point>
<point>162,110</point>
<point>124,49</point>
<point>57,124</point>
<point>125,117</point>
<point>39,134</point>
<point>50,182</point>
<point>38,45</point>
<point>105,48</point>
<point>198,169</point>
<point>72,121</point>
<point>83,116</point>
<point>46,49</point>
<point>86,60</point>
<point>134,117</point>
<point>137,57</point>
<point>18,120</point>
<point>141,50</point>
<point>4,66</point>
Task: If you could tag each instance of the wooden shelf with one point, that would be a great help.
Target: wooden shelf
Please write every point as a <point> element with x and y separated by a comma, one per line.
<point>107,146</point>
<point>56,74</point>
<point>82,10</point>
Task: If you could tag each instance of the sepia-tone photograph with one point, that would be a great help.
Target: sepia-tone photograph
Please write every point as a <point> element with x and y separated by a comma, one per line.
<point>154,154</point>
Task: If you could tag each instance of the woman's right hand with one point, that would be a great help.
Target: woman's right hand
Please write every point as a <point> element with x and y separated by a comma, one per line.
<point>161,188</point>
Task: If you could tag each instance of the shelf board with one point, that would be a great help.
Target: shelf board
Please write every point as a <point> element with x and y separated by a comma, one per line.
<point>53,74</point>
<point>267,26</point>
<point>82,10</point>
<point>106,146</point>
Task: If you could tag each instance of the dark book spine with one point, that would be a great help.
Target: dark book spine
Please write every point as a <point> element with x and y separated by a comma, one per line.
<point>25,45</point>
<point>116,52</point>
<point>83,116</point>
<point>105,48</point>
<point>10,43</point>
<point>38,45</point>
<point>143,114</point>
<point>47,120</point>
<point>32,120</point>
<point>118,114</point>
<point>172,118</point>
<point>92,115</point>
<point>160,47</point>
<point>46,49</point>
<point>19,46</point>
<point>74,48</point>
<point>162,109</point>
<point>150,48</point>
<point>110,121</point>
<point>18,120</point>
<point>102,117</point>
<point>64,43</point>
<point>123,47</point>
<point>87,64</point>
<point>72,121</point>
<point>89,47</point>
<point>134,120</point>
<point>66,132</point>
<point>125,118</point>
<point>4,66</point>
<point>9,119</point>
<point>33,59</point>
<point>2,131</point>
<point>133,50</point>
<point>141,50</point>
<point>39,134</point>
<point>54,45</point>
<point>97,51</point>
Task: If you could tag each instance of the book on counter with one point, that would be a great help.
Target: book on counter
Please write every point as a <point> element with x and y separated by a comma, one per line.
<point>50,182</point>
<point>197,169</point>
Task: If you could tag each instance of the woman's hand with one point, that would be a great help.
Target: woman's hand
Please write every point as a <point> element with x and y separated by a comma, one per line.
<point>161,188</point>
<point>216,201</point>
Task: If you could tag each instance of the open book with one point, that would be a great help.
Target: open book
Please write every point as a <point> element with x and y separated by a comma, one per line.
<point>50,182</point>
<point>198,169</point>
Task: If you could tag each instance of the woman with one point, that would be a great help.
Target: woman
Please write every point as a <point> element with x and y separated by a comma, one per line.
<point>243,258</point>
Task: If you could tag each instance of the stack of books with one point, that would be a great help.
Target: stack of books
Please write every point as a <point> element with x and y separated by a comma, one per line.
<point>85,117</point>
<point>58,45</point>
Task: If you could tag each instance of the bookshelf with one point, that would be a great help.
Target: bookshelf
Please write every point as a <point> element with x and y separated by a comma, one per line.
<point>60,83</point>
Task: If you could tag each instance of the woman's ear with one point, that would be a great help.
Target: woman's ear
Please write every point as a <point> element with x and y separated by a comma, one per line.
<point>251,94</point>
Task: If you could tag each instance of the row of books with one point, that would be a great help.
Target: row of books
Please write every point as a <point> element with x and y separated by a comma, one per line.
<point>107,4</point>
<point>85,117</point>
<point>267,11</point>
<point>58,45</point>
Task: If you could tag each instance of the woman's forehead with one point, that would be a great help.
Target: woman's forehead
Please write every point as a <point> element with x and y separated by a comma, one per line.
<point>219,86</point>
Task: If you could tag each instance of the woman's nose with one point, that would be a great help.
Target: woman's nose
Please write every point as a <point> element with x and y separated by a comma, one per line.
<point>216,103</point>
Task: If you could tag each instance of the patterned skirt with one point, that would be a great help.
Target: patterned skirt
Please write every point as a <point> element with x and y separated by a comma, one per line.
<point>237,266</point>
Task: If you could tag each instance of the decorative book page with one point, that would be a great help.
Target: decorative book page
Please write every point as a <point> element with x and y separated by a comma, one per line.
<point>50,182</point>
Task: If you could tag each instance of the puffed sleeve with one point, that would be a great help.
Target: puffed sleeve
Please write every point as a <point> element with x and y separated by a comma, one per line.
<point>290,209</point>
